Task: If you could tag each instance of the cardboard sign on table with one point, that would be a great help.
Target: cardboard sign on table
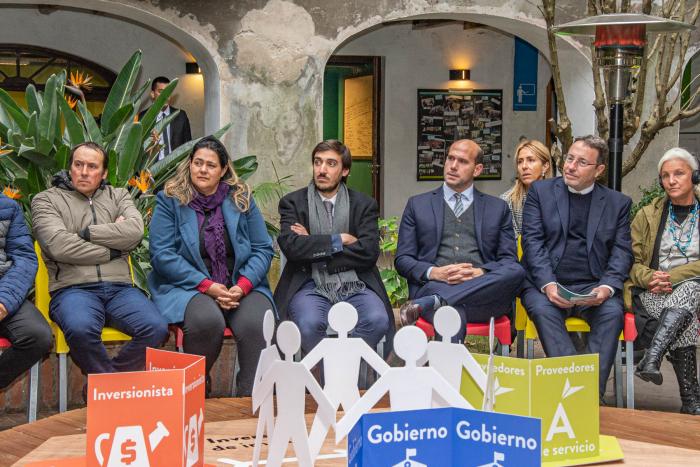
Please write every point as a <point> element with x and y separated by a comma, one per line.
<point>148,418</point>
<point>563,392</point>
<point>441,437</point>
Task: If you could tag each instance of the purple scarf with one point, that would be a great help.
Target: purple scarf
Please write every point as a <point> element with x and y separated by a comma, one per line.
<point>214,231</point>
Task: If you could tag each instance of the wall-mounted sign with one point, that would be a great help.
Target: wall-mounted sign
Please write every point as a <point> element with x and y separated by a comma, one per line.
<point>446,116</point>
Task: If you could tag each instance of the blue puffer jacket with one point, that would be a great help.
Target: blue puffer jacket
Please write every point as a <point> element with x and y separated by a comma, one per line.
<point>17,256</point>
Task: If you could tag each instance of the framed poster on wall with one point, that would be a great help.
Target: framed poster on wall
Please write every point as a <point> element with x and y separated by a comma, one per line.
<point>446,116</point>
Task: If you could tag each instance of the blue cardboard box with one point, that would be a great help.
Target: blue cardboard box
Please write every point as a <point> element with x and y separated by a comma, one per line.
<point>444,437</point>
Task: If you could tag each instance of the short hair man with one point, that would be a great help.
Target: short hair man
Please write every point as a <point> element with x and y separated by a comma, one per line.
<point>330,238</point>
<point>457,247</point>
<point>86,230</point>
<point>577,233</point>
<point>178,132</point>
<point>20,321</point>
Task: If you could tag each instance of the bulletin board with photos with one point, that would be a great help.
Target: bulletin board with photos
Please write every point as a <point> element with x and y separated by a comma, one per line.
<point>446,116</point>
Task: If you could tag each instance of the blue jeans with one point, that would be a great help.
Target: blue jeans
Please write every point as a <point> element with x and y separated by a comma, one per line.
<point>309,311</point>
<point>81,311</point>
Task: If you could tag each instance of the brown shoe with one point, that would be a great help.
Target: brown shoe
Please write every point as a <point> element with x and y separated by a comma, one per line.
<point>409,313</point>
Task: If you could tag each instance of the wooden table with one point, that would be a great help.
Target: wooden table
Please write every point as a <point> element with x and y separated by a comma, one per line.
<point>661,428</point>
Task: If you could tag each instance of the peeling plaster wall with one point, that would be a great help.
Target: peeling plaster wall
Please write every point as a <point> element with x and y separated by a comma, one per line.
<point>109,42</point>
<point>420,59</point>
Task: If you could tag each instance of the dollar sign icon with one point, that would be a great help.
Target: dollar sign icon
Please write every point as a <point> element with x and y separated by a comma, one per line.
<point>128,452</point>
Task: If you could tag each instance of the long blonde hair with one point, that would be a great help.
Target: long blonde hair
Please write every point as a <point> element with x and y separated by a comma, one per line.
<point>517,194</point>
<point>180,185</point>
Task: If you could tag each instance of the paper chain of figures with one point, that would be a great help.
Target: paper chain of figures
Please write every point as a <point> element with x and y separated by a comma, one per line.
<point>411,387</point>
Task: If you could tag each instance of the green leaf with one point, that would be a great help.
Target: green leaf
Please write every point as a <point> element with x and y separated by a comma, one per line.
<point>14,165</point>
<point>119,94</point>
<point>93,131</point>
<point>129,155</point>
<point>34,100</point>
<point>35,156</point>
<point>18,115</point>
<point>32,126</point>
<point>112,167</point>
<point>150,116</point>
<point>137,98</point>
<point>162,168</point>
<point>245,166</point>
<point>119,117</point>
<point>74,128</point>
<point>49,117</point>
<point>62,156</point>
<point>120,138</point>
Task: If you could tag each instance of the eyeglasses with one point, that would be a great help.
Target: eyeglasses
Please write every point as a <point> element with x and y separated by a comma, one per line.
<point>581,163</point>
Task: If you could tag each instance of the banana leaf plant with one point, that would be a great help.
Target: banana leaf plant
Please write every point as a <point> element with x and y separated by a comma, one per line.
<point>35,143</point>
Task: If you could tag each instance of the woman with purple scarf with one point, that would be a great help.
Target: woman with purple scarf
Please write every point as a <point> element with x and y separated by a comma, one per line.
<point>210,253</point>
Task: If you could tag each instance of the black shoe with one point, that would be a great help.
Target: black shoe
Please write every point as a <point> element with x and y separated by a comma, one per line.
<point>409,313</point>
<point>684,361</point>
<point>672,323</point>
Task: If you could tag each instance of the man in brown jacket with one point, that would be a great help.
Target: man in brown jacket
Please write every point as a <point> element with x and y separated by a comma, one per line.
<point>86,230</point>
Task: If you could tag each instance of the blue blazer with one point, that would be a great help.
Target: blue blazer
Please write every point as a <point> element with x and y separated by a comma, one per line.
<point>546,226</point>
<point>19,248</point>
<point>421,227</point>
<point>178,267</point>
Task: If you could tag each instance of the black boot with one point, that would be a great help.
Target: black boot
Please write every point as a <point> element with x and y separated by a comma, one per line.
<point>672,323</point>
<point>685,365</point>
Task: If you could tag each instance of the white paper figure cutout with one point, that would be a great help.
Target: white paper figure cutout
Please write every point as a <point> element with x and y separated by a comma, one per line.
<point>410,387</point>
<point>266,416</point>
<point>341,366</point>
<point>291,379</point>
<point>447,358</point>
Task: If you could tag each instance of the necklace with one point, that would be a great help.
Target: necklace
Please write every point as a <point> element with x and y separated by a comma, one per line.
<point>682,237</point>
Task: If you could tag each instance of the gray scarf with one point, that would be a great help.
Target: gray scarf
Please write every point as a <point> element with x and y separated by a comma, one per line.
<point>334,287</point>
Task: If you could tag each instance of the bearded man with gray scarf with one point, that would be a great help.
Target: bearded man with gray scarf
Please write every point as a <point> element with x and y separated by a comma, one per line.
<point>330,238</point>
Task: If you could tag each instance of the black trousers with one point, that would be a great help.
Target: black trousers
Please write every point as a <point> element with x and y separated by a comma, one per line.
<point>204,326</point>
<point>31,339</point>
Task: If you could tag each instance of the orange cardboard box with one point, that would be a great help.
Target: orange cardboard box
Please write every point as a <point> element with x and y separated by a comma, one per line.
<point>148,418</point>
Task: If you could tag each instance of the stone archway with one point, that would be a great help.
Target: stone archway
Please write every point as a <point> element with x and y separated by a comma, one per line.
<point>175,29</point>
<point>276,92</point>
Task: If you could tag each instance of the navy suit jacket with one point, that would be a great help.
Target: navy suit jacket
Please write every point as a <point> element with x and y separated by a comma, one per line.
<point>546,226</point>
<point>421,231</point>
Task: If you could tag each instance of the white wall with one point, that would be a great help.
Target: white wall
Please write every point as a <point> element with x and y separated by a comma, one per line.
<point>109,42</point>
<point>420,59</point>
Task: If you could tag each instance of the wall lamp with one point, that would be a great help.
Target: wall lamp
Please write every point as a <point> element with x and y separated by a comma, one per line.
<point>192,68</point>
<point>460,75</point>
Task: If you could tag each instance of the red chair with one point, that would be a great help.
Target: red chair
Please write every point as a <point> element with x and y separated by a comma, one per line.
<point>629,332</point>
<point>501,331</point>
<point>180,336</point>
<point>33,383</point>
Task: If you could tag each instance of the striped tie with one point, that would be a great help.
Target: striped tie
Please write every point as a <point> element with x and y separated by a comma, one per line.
<point>459,207</point>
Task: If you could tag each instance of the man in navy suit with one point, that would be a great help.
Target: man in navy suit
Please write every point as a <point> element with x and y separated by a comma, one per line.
<point>577,233</point>
<point>456,247</point>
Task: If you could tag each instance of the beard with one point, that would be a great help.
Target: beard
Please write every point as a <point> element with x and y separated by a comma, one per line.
<point>329,187</point>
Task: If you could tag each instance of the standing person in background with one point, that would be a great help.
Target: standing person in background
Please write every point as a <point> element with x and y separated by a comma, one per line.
<point>532,162</point>
<point>178,132</point>
<point>210,253</point>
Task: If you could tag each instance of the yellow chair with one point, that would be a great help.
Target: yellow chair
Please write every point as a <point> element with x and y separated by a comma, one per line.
<point>42,300</point>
